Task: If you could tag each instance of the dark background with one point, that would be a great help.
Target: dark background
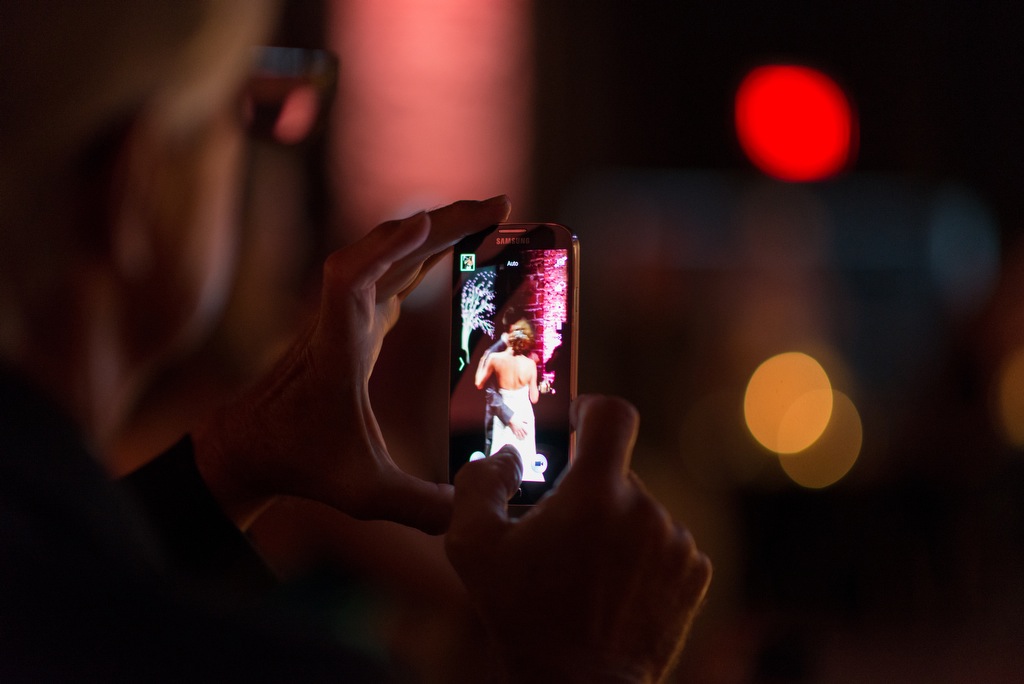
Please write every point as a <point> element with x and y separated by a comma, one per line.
<point>910,568</point>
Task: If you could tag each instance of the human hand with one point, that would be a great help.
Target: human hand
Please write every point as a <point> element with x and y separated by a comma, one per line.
<point>518,426</point>
<point>597,582</point>
<point>308,429</point>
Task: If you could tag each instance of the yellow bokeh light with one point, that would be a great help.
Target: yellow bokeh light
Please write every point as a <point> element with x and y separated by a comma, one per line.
<point>1011,399</point>
<point>788,402</point>
<point>832,456</point>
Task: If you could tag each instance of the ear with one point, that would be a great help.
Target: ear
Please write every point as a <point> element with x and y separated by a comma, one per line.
<point>171,200</point>
<point>131,191</point>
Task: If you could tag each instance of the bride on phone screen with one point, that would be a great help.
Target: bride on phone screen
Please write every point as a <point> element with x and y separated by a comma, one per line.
<point>516,373</point>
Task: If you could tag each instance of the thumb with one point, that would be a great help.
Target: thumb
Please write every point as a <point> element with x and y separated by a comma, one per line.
<point>480,512</point>
<point>606,429</point>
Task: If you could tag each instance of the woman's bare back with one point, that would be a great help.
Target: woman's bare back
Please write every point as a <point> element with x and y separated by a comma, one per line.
<point>513,371</point>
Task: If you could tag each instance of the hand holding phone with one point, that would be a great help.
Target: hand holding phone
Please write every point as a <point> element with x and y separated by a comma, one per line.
<point>595,583</point>
<point>284,435</point>
<point>513,350</point>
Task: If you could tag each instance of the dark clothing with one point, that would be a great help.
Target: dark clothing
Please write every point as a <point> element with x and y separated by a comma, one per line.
<point>139,580</point>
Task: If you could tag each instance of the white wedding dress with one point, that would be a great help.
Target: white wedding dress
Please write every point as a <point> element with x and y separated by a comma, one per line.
<point>518,401</point>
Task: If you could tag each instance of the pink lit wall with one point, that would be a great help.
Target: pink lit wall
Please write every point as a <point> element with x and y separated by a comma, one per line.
<point>548,305</point>
<point>434,104</point>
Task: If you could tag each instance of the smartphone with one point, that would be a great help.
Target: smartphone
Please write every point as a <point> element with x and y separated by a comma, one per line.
<point>513,350</point>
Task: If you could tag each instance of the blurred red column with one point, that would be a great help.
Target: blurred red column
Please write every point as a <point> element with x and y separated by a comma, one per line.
<point>434,105</point>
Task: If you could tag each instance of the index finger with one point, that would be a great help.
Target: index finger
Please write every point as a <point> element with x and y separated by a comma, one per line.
<point>365,261</point>
<point>449,224</point>
<point>606,429</point>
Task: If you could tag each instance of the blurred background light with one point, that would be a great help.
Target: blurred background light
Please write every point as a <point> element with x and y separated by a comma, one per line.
<point>727,269</point>
<point>788,402</point>
<point>833,454</point>
<point>794,123</point>
<point>435,104</point>
<point>963,248</point>
<point>1011,399</point>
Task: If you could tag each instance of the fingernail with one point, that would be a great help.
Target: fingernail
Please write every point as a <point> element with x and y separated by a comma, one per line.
<point>512,454</point>
<point>411,222</point>
<point>497,199</point>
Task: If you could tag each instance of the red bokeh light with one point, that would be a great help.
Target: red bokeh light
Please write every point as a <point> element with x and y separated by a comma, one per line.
<point>794,123</point>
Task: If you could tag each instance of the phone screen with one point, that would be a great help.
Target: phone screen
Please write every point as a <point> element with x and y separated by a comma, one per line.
<point>513,350</point>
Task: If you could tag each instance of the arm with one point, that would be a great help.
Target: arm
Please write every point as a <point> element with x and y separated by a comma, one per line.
<point>494,398</point>
<point>534,392</point>
<point>501,410</point>
<point>200,542</point>
<point>498,346</point>
<point>483,371</point>
<point>498,406</point>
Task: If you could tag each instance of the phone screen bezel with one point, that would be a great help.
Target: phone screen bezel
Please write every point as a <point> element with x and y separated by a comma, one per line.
<point>541,236</point>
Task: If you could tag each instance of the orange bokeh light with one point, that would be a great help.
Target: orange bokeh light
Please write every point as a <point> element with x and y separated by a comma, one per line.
<point>832,456</point>
<point>788,402</point>
<point>794,123</point>
<point>1011,399</point>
